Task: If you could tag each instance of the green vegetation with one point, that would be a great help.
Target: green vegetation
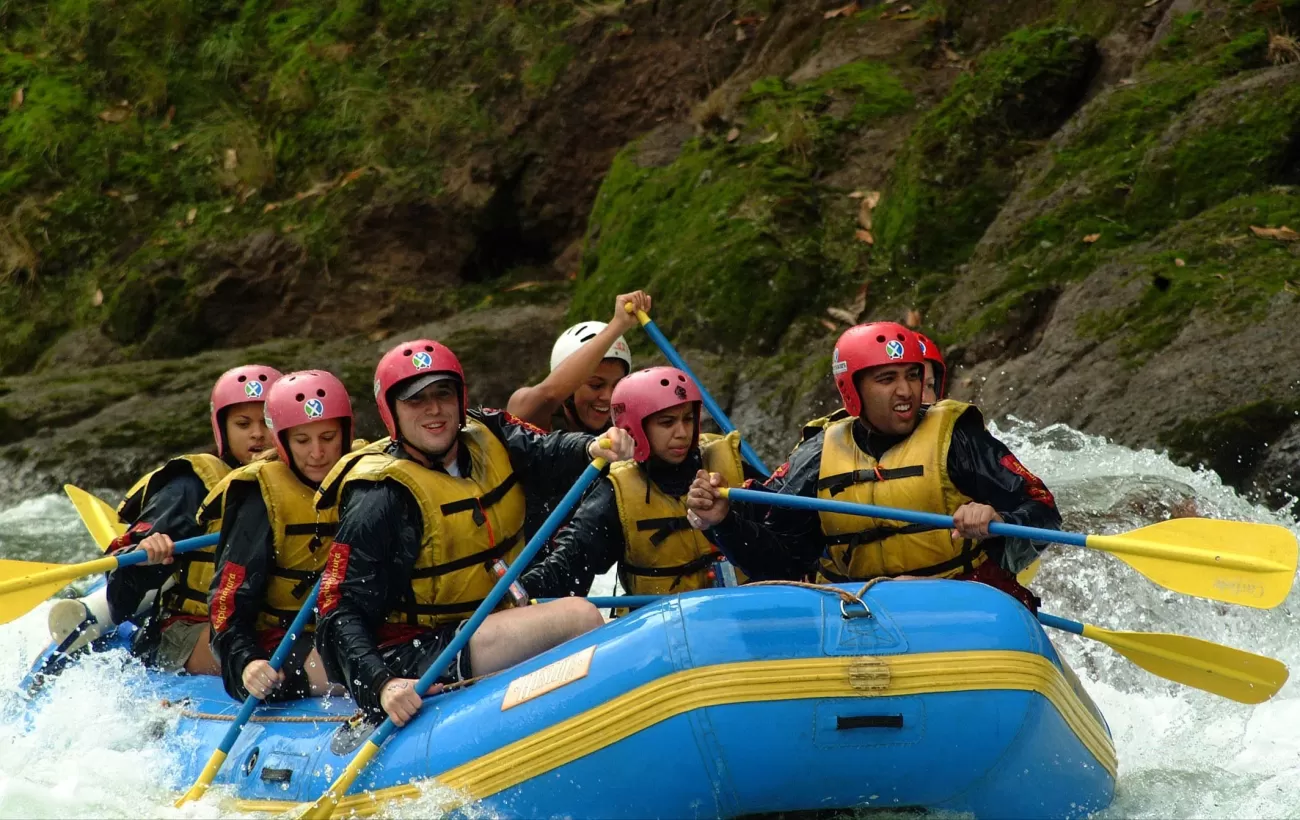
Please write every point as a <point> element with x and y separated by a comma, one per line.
<point>735,239</point>
<point>137,134</point>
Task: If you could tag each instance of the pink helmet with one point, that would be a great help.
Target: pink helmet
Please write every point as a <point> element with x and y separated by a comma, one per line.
<point>646,392</point>
<point>870,345</point>
<point>424,358</point>
<point>236,386</point>
<point>303,397</point>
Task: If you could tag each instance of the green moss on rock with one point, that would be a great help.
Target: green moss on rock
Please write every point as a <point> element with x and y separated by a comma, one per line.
<point>735,239</point>
<point>958,166</point>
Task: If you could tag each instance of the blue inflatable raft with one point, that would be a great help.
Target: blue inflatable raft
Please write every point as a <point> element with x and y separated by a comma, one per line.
<point>946,695</point>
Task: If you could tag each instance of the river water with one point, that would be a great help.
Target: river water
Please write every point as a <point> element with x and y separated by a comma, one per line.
<point>1183,753</point>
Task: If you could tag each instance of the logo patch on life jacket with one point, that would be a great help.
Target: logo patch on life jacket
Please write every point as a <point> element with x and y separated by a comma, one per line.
<point>838,365</point>
<point>314,408</point>
<point>336,568</point>
<point>422,360</point>
<point>253,389</point>
<point>894,349</point>
<point>223,598</point>
<point>1034,485</point>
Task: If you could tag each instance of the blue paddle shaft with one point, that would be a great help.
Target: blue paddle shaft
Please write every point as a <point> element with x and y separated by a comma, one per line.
<point>629,601</point>
<point>128,559</point>
<point>277,661</point>
<point>670,352</point>
<point>634,601</point>
<point>799,502</point>
<point>1063,624</point>
<point>552,523</point>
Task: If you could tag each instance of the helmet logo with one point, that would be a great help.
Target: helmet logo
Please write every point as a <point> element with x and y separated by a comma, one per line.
<point>680,392</point>
<point>253,389</point>
<point>894,349</point>
<point>838,365</point>
<point>923,348</point>
<point>618,409</point>
<point>314,408</point>
<point>376,388</point>
<point>422,360</point>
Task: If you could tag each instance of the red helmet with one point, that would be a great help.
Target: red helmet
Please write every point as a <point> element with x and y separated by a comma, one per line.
<point>301,398</point>
<point>931,353</point>
<point>642,394</point>
<point>870,345</point>
<point>423,358</point>
<point>236,386</point>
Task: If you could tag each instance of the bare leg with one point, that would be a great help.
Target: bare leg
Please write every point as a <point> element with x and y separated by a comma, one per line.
<point>515,635</point>
<point>201,661</point>
<point>318,683</point>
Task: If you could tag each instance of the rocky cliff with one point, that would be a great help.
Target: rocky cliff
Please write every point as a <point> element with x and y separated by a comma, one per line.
<point>1091,205</point>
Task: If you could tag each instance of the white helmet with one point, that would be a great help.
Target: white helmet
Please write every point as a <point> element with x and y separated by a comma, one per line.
<point>581,333</point>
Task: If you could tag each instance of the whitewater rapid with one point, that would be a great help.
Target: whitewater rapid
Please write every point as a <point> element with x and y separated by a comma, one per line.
<point>94,751</point>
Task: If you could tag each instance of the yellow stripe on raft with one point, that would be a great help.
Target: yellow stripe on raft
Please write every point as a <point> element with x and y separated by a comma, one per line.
<point>749,682</point>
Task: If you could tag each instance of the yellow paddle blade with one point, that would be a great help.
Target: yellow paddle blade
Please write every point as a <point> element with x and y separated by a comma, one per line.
<point>25,584</point>
<point>209,774</point>
<point>1026,576</point>
<point>1237,562</point>
<point>324,807</point>
<point>1231,673</point>
<point>100,518</point>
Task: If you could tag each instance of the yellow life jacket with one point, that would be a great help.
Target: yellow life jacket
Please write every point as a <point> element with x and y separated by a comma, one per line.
<point>301,536</point>
<point>189,595</point>
<point>662,552</point>
<point>912,475</point>
<point>468,523</point>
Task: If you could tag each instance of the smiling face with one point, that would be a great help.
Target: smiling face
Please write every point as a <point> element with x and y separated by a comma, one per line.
<point>430,420</point>
<point>891,397</point>
<point>671,432</point>
<point>591,400</point>
<point>316,447</point>
<point>246,433</point>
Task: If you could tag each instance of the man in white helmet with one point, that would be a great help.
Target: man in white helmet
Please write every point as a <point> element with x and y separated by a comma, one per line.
<point>586,362</point>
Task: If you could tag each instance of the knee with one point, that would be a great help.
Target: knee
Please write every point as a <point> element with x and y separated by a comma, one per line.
<point>580,615</point>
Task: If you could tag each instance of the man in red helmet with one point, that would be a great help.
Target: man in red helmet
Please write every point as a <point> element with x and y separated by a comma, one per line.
<point>427,523</point>
<point>885,448</point>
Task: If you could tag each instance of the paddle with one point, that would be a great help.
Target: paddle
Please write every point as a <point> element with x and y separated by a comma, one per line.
<point>26,584</point>
<point>100,518</point>
<point>1220,670</point>
<point>1230,673</point>
<point>666,347</point>
<point>325,805</point>
<point>1237,562</point>
<point>250,703</point>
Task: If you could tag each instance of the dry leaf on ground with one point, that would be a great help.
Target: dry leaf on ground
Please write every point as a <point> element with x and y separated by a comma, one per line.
<point>191,215</point>
<point>1092,237</point>
<point>842,11</point>
<point>864,214</point>
<point>913,319</point>
<point>98,298</point>
<point>231,160</point>
<point>865,236</point>
<point>733,135</point>
<point>843,315</point>
<point>1282,234</point>
<point>16,101</point>
<point>115,115</point>
<point>873,199</point>
<point>1180,263</point>
<point>171,115</point>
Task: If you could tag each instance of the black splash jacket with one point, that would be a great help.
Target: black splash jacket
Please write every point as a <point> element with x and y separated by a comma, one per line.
<point>380,532</point>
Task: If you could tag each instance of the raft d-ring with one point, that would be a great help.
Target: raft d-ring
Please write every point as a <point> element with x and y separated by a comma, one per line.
<point>865,612</point>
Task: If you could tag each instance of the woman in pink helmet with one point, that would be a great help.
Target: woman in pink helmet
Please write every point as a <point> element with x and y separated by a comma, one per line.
<point>160,510</point>
<point>637,518</point>
<point>274,540</point>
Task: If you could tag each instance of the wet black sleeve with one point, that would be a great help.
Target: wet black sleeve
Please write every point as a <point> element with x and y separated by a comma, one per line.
<point>771,543</point>
<point>984,469</point>
<point>589,545</point>
<point>170,510</point>
<point>547,463</point>
<point>239,584</point>
<point>369,562</point>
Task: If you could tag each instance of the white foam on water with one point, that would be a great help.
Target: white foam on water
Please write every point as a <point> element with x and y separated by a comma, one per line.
<point>92,751</point>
